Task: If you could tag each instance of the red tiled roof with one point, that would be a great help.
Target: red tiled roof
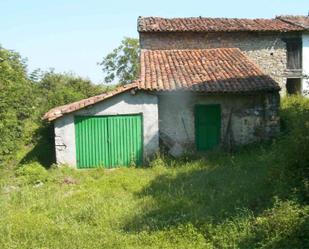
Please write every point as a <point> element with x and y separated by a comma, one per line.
<point>206,70</point>
<point>301,21</point>
<point>205,24</point>
<point>220,70</point>
<point>59,111</point>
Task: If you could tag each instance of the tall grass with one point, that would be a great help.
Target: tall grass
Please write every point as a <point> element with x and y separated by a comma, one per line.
<point>254,198</point>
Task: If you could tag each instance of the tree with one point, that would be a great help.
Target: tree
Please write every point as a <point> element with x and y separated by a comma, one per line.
<point>54,89</point>
<point>122,64</point>
<point>16,100</point>
<point>63,88</point>
<point>24,99</point>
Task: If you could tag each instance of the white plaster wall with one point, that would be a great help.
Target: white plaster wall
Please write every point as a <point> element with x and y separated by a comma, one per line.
<point>125,103</point>
<point>177,121</point>
<point>305,82</point>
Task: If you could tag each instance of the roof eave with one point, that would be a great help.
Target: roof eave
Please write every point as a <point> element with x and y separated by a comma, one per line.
<point>60,111</point>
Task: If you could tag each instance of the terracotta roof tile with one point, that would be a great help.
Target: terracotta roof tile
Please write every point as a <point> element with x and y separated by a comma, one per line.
<point>301,21</point>
<point>59,111</point>
<point>221,70</point>
<point>206,70</point>
<point>205,24</point>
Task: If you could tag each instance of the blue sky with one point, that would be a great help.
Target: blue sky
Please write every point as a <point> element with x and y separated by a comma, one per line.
<point>73,35</point>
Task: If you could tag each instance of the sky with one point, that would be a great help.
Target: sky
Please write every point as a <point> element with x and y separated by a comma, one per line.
<point>74,35</point>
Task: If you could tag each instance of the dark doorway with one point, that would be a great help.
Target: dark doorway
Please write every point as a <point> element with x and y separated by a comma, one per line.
<point>293,86</point>
<point>294,53</point>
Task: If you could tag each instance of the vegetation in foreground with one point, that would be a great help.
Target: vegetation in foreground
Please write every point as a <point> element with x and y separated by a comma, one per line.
<point>256,197</point>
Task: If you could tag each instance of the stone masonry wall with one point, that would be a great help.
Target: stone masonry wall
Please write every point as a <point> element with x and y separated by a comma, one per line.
<point>266,50</point>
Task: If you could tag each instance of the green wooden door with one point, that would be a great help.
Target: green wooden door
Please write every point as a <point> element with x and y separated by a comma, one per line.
<point>207,126</point>
<point>108,141</point>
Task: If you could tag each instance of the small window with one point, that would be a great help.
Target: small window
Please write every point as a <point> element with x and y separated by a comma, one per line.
<point>294,53</point>
<point>293,86</point>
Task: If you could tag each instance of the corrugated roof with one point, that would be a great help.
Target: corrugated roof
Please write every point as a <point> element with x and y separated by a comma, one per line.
<point>220,70</point>
<point>205,24</point>
<point>301,21</point>
<point>59,111</point>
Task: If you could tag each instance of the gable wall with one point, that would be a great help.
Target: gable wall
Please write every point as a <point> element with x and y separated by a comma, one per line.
<point>266,50</point>
<point>125,103</point>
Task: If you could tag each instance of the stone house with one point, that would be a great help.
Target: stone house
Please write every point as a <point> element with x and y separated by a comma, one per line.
<point>275,45</point>
<point>302,49</point>
<point>204,83</point>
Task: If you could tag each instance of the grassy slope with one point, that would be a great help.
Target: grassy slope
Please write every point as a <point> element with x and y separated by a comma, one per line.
<point>222,204</point>
<point>245,200</point>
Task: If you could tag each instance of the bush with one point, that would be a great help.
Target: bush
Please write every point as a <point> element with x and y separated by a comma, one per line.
<point>283,226</point>
<point>295,123</point>
<point>24,99</point>
<point>157,162</point>
<point>16,103</point>
<point>291,150</point>
<point>32,173</point>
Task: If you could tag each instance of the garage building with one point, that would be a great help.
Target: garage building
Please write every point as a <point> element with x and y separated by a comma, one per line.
<point>188,101</point>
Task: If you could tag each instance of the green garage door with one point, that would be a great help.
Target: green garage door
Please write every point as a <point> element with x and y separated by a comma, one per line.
<point>207,126</point>
<point>108,141</point>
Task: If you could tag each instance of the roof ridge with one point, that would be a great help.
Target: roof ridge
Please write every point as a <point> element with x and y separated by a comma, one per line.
<point>285,18</point>
<point>213,24</point>
<point>204,17</point>
<point>291,16</point>
<point>191,49</point>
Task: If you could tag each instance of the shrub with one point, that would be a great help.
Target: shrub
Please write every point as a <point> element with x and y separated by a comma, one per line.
<point>32,173</point>
<point>283,226</point>
<point>158,162</point>
<point>295,122</point>
<point>291,150</point>
<point>16,103</point>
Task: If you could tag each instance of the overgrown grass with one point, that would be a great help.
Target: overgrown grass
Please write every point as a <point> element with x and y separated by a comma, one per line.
<point>254,198</point>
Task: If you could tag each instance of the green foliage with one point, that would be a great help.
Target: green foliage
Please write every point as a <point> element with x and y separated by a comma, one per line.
<point>55,89</point>
<point>285,225</point>
<point>122,64</point>
<point>32,173</point>
<point>295,118</point>
<point>225,202</point>
<point>63,88</point>
<point>24,100</point>
<point>158,162</point>
<point>16,102</point>
<point>254,198</point>
<point>290,152</point>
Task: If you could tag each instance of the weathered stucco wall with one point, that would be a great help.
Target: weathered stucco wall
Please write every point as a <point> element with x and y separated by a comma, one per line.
<point>268,50</point>
<point>125,103</point>
<point>305,63</point>
<point>252,117</point>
